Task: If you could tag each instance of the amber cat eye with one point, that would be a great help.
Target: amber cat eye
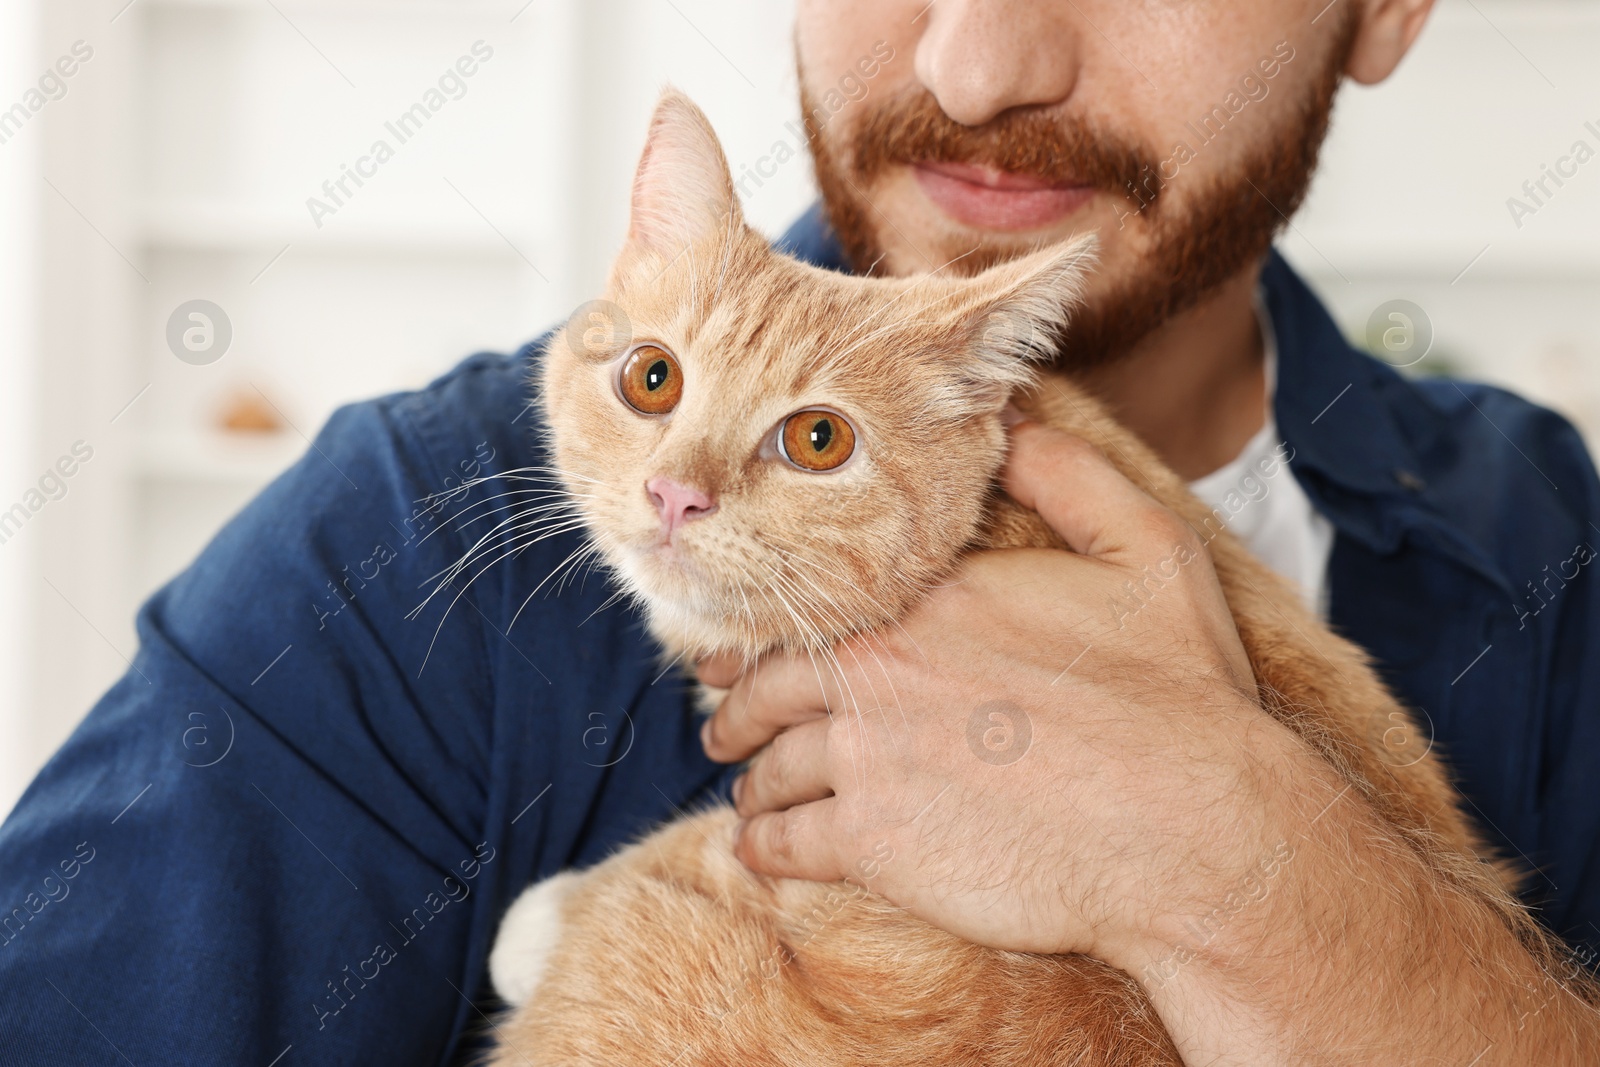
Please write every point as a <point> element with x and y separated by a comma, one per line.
<point>817,440</point>
<point>651,381</point>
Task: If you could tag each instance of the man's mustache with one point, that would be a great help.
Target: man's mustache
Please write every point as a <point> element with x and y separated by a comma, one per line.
<point>1058,149</point>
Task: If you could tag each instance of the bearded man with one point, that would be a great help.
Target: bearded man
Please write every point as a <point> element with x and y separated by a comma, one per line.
<point>324,882</point>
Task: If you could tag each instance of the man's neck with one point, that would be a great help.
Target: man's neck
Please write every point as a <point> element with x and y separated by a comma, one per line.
<point>1195,389</point>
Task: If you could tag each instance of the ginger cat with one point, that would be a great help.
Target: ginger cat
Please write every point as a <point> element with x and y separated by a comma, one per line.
<point>810,403</point>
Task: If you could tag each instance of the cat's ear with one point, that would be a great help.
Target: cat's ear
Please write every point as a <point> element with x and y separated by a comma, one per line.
<point>1009,319</point>
<point>682,190</point>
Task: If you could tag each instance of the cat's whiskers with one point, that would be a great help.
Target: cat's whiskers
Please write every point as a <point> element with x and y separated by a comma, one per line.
<point>554,475</point>
<point>582,557</point>
<point>461,521</point>
<point>564,498</point>
<point>830,614</point>
<point>808,629</point>
<point>579,556</point>
<point>826,646</point>
<point>814,640</point>
<point>860,632</point>
<point>915,589</point>
<point>539,520</point>
<point>864,628</point>
<point>752,623</point>
<point>618,594</point>
<point>866,644</point>
<point>509,538</point>
<point>796,553</point>
<point>514,546</point>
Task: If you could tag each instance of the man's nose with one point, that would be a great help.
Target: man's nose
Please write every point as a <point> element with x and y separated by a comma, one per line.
<point>677,503</point>
<point>981,57</point>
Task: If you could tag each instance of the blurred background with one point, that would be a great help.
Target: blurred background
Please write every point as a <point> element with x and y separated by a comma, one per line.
<point>176,320</point>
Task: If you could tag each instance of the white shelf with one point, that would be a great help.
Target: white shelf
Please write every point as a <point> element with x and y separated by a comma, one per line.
<point>1510,256</point>
<point>473,8</point>
<point>1563,15</point>
<point>1563,12</point>
<point>224,226</point>
<point>200,455</point>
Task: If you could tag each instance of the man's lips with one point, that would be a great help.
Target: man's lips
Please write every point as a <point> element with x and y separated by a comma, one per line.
<point>989,199</point>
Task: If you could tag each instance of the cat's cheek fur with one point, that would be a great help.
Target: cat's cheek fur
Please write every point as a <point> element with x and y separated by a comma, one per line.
<point>528,937</point>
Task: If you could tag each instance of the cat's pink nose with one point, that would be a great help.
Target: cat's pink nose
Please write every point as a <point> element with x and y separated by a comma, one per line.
<point>677,503</point>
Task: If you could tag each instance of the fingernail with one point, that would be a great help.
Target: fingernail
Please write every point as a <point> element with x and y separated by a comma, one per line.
<point>737,790</point>
<point>705,736</point>
<point>738,832</point>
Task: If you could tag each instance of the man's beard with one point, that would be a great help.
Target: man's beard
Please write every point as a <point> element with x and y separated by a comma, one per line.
<point>1228,224</point>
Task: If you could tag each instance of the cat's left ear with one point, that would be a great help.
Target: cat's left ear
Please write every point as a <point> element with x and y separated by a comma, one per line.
<point>682,191</point>
<point>1012,317</point>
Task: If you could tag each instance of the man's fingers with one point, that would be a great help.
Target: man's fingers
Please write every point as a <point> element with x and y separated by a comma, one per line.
<point>796,843</point>
<point>792,770</point>
<point>1086,500</point>
<point>720,671</point>
<point>772,696</point>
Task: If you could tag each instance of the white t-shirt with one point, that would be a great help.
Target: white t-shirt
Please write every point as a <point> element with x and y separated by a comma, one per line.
<point>1257,497</point>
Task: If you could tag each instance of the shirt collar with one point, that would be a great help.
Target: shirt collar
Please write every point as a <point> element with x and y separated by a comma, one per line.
<point>1341,411</point>
<point>1330,397</point>
<point>1360,431</point>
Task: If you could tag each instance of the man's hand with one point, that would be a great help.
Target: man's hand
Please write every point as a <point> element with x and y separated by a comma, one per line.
<point>1053,765</point>
<point>1036,760</point>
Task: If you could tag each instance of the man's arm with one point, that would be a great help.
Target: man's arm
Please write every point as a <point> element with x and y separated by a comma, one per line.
<point>219,866</point>
<point>1124,806</point>
<point>1351,950</point>
<point>292,829</point>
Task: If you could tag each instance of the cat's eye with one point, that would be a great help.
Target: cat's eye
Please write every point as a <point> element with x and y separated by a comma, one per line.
<point>651,380</point>
<point>817,439</point>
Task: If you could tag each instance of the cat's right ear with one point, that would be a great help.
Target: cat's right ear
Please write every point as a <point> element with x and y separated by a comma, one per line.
<point>682,191</point>
<point>1008,320</point>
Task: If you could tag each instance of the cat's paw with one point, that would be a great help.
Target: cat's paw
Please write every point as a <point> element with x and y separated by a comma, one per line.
<point>528,936</point>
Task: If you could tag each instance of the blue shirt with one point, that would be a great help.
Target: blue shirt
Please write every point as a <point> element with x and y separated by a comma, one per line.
<point>287,835</point>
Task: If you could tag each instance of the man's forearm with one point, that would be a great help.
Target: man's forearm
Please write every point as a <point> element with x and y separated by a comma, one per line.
<point>1344,946</point>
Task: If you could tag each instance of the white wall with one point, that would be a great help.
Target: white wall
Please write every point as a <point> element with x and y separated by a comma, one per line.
<point>184,152</point>
<point>179,165</point>
<point>1414,186</point>
<point>18,289</point>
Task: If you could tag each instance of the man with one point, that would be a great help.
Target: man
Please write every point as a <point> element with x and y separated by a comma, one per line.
<point>288,834</point>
